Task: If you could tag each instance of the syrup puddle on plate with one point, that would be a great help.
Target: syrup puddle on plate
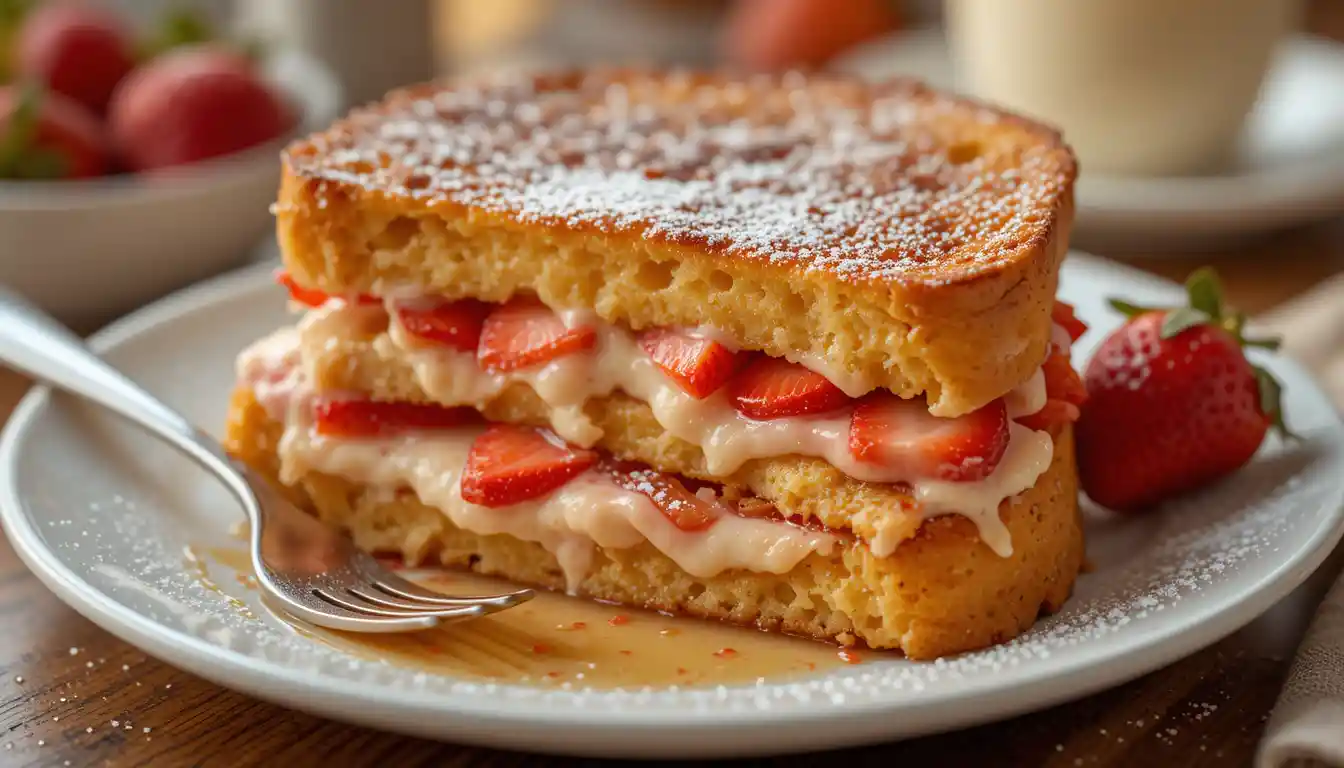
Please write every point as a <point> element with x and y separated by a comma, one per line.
<point>555,640</point>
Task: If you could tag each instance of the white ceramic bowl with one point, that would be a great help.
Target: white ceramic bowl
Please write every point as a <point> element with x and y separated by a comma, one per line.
<point>89,250</point>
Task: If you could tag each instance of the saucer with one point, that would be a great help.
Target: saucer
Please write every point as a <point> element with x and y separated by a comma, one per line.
<point>1288,170</point>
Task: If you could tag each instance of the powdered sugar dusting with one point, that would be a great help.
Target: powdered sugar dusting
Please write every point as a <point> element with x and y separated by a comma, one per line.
<point>1149,575</point>
<point>867,181</point>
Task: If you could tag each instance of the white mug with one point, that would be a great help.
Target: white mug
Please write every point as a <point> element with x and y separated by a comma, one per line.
<point>370,46</point>
<point>1138,87</point>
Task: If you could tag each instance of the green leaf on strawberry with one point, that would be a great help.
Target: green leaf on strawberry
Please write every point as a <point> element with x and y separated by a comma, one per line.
<point>1271,401</point>
<point>1127,309</point>
<point>12,13</point>
<point>21,131</point>
<point>22,128</point>
<point>1181,318</point>
<point>20,157</point>
<point>181,26</point>
<point>1205,292</point>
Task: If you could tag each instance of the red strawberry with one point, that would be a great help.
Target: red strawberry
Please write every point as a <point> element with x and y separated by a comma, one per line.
<point>455,324</point>
<point>1052,413</point>
<point>191,104</point>
<point>76,50</point>
<point>524,333</point>
<point>1173,403</point>
<point>1064,390</point>
<point>510,464</point>
<point>772,388</point>
<point>685,509</point>
<point>902,434</point>
<point>1061,380</point>
<point>1063,316</point>
<point>699,366</point>
<point>339,417</point>
<point>310,297</point>
<point>44,135</point>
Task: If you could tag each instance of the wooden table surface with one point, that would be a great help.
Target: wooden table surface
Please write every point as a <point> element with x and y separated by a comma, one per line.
<point>108,704</point>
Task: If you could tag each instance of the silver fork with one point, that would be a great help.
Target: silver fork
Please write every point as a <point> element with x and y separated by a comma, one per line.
<point>304,566</point>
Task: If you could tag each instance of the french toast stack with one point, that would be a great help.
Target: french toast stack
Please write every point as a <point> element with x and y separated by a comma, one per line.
<point>780,350</point>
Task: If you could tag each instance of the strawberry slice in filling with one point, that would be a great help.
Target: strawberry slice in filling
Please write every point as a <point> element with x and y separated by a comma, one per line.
<point>698,365</point>
<point>524,333</point>
<point>510,464</point>
<point>772,388</point>
<point>355,417</point>
<point>455,324</point>
<point>1064,316</point>
<point>902,434</point>
<point>1064,390</point>
<point>311,298</point>
<point>686,510</point>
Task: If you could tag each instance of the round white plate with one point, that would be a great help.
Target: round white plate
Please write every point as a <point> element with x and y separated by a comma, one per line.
<point>101,514</point>
<point>1288,170</point>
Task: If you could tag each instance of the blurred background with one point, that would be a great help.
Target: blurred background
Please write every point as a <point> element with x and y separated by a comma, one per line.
<point>139,138</point>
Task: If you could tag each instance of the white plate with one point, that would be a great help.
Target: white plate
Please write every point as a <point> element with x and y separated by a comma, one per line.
<point>101,514</point>
<point>1289,169</point>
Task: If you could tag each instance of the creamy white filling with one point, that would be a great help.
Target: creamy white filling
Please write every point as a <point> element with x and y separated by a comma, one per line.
<point>571,522</point>
<point>429,463</point>
<point>618,363</point>
<point>727,438</point>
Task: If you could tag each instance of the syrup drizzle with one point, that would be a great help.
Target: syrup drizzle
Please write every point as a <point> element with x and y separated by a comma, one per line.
<point>559,641</point>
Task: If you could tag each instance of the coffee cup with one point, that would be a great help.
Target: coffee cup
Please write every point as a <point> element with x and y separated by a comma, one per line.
<point>1138,87</point>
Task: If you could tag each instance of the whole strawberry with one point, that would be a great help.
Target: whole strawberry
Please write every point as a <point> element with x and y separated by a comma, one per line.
<point>1173,403</point>
<point>44,135</point>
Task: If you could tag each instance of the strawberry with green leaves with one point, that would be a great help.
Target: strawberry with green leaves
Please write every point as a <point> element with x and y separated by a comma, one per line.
<point>44,135</point>
<point>1173,403</point>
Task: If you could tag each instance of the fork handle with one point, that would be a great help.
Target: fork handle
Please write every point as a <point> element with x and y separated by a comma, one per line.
<point>34,343</point>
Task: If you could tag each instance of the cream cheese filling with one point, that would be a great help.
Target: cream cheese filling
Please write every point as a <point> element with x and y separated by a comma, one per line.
<point>272,368</point>
<point>571,523</point>
<point>727,438</point>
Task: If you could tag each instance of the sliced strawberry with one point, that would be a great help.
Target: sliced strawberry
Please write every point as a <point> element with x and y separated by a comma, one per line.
<point>524,333</point>
<point>341,417</point>
<point>1054,412</point>
<point>773,388</point>
<point>685,509</point>
<point>1064,316</point>
<point>510,464</point>
<point>1062,382</point>
<point>903,435</point>
<point>455,324</point>
<point>699,366</point>
<point>310,297</point>
<point>1065,391</point>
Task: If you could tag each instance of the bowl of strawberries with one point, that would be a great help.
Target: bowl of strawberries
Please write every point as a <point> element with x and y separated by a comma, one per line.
<point>134,163</point>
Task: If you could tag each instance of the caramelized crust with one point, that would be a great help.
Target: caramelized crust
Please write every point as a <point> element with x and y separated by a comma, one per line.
<point>899,234</point>
<point>940,593</point>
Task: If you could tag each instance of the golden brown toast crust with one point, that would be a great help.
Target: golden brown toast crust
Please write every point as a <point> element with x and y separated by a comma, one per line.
<point>893,231</point>
<point>941,592</point>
